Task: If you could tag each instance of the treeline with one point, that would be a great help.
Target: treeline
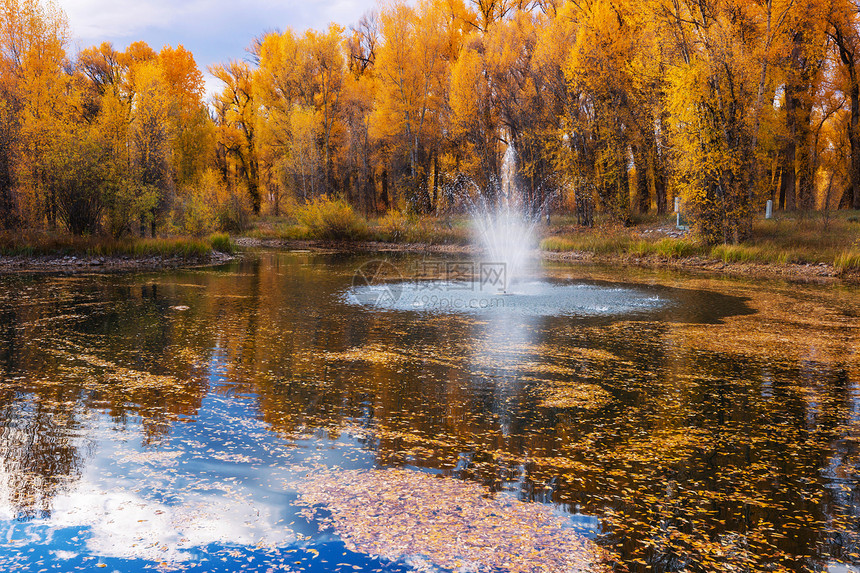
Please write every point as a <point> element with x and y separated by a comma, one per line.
<point>612,106</point>
<point>105,142</point>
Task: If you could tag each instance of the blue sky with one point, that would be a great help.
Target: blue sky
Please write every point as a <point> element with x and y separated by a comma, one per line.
<point>214,30</point>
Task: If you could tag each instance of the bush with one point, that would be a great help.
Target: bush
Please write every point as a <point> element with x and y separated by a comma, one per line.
<point>129,204</point>
<point>327,218</point>
<point>394,226</point>
<point>233,211</point>
<point>209,205</point>
<point>198,214</point>
<point>221,242</point>
<point>76,177</point>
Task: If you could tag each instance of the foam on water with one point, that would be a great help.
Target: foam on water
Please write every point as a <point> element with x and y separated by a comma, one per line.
<point>531,297</point>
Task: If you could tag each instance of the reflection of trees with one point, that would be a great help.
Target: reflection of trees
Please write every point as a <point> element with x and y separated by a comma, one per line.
<point>38,452</point>
<point>70,346</point>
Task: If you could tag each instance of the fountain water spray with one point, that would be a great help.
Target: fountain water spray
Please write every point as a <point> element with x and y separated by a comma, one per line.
<point>505,227</point>
<point>504,223</point>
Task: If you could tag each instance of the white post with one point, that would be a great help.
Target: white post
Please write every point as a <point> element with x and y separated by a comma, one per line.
<point>677,204</point>
<point>768,210</point>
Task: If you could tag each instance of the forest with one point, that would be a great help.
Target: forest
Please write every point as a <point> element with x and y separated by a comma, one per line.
<point>610,106</point>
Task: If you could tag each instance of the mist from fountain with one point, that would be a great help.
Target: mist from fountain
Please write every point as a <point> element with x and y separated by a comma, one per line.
<point>505,226</point>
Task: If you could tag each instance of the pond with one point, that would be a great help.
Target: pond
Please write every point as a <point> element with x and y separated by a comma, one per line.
<point>278,414</point>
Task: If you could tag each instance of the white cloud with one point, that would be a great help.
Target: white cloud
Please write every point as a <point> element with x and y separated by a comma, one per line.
<point>213,30</point>
<point>125,525</point>
<point>97,20</point>
<point>121,19</point>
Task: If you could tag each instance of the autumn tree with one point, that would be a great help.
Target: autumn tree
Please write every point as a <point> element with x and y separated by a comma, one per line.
<point>843,21</point>
<point>359,98</point>
<point>151,135</point>
<point>236,136</point>
<point>716,94</point>
<point>802,63</point>
<point>412,69</point>
<point>612,106</point>
<point>33,37</point>
<point>189,119</point>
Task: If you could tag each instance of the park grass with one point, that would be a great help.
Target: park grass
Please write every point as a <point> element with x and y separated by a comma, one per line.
<point>34,244</point>
<point>397,228</point>
<point>597,243</point>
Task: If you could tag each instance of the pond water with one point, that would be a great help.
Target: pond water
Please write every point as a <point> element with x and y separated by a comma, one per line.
<point>276,414</point>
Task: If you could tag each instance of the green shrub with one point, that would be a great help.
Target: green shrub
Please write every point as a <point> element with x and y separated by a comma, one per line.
<point>199,214</point>
<point>328,218</point>
<point>221,242</point>
<point>209,205</point>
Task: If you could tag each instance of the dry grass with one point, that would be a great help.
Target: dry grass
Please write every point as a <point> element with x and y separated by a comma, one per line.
<point>848,261</point>
<point>591,242</point>
<point>394,227</point>
<point>797,238</point>
<point>52,244</point>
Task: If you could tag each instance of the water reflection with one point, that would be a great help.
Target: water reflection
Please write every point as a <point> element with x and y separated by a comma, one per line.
<point>166,417</point>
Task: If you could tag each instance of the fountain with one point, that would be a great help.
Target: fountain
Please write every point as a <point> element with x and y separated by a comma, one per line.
<point>504,279</point>
<point>504,230</point>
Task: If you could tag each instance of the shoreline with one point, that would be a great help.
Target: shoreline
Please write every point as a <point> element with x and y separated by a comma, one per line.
<point>822,273</point>
<point>76,264</point>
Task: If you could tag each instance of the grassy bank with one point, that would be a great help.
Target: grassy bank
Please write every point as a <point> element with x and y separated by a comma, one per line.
<point>809,238</point>
<point>792,238</point>
<point>35,244</point>
<point>802,238</point>
<point>392,228</point>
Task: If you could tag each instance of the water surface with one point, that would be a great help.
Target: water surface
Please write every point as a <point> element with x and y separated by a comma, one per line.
<point>202,420</point>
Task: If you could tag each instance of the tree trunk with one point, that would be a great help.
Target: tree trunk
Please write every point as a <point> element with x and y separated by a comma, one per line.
<point>658,151</point>
<point>804,179</point>
<point>643,193</point>
<point>788,184</point>
<point>854,138</point>
<point>386,201</point>
<point>846,54</point>
<point>435,181</point>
